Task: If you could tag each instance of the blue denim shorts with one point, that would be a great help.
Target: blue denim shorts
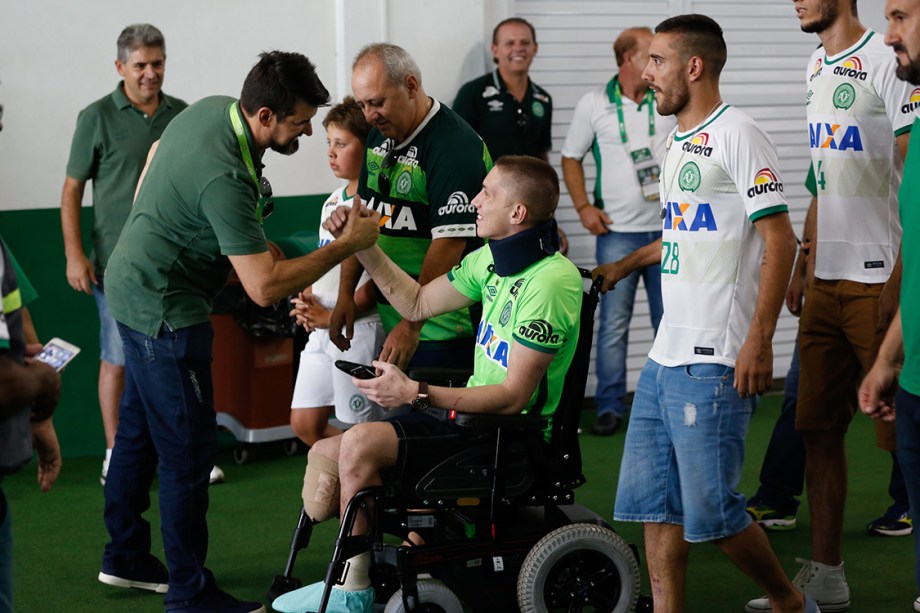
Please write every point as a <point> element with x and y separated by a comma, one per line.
<point>684,451</point>
<point>111,349</point>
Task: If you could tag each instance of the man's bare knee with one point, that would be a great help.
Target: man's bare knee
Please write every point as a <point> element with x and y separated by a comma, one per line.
<point>371,444</point>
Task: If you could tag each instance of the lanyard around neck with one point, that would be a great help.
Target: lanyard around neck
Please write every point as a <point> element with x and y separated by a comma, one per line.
<point>237,123</point>
<point>615,93</point>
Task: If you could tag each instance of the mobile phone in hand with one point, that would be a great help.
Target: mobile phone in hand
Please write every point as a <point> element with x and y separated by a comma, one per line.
<point>57,353</point>
<point>358,371</point>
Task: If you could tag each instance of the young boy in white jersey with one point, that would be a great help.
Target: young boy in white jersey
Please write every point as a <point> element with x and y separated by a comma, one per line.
<point>726,253</point>
<point>321,388</point>
<point>859,120</point>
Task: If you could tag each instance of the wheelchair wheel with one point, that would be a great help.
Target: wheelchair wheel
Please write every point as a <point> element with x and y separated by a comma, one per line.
<point>579,567</point>
<point>433,598</point>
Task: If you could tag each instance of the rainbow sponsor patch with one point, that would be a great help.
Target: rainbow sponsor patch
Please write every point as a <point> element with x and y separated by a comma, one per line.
<point>913,101</point>
<point>852,67</point>
<point>765,181</point>
<point>699,145</point>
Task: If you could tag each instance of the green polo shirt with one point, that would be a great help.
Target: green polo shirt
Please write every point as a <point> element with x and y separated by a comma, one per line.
<point>196,206</point>
<point>507,126</point>
<point>909,203</point>
<point>110,148</point>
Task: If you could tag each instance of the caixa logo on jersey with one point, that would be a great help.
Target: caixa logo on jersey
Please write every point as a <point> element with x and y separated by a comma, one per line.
<point>538,331</point>
<point>393,216</point>
<point>494,347</point>
<point>699,145</point>
<point>852,67</point>
<point>834,136</point>
<point>764,181</point>
<point>912,103</point>
<point>700,217</point>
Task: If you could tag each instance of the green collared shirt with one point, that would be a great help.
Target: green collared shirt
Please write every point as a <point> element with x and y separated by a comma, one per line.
<point>196,206</point>
<point>109,147</point>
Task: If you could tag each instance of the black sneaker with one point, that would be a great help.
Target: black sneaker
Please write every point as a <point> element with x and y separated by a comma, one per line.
<point>218,601</point>
<point>148,574</point>
<point>606,424</point>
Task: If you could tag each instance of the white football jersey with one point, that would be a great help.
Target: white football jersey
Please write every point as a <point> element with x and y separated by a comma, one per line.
<point>717,180</point>
<point>856,106</point>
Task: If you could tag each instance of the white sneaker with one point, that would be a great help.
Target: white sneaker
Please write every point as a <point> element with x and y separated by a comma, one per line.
<point>217,476</point>
<point>105,471</point>
<point>827,585</point>
<point>917,604</point>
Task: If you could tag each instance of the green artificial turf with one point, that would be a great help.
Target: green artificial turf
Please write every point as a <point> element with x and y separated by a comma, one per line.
<point>59,536</point>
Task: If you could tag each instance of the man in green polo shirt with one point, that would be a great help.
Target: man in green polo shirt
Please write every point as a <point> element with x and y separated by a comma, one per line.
<point>109,148</point>
<point>198,214</point>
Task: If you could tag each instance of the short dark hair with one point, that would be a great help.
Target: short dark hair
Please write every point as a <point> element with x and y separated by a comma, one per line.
<point>627,41</point>
<point>532,182</point>
<point>138,35</point>
<point>517,20</point>
<point>700,36</point>
<point>349,116</point>
<point>278,81</point>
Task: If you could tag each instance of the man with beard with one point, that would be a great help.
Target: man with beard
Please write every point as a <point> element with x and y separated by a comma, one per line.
<point>898,359</point>
<point>198,213</point>
<point>726,253</point>
<point>109,148</point>
<point>859,120</point>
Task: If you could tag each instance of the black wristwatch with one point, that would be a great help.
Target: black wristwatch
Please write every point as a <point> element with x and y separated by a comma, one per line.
<point>422,401</point>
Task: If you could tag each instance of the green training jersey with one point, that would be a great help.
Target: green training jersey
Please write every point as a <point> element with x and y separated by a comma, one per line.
<point>538,308</point>
<point>436,173</point>
<point>909,198</point>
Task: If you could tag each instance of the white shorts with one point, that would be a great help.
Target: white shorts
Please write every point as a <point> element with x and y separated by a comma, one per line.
<point>321,384</point>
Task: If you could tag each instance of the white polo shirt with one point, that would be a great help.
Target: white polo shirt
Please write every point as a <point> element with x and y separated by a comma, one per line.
<point>617,191</point>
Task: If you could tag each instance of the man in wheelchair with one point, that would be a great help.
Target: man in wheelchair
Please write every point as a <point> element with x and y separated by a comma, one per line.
<point>531,297</point>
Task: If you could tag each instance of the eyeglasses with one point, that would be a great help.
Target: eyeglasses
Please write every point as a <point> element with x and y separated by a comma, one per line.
<point>268,204</point>
<point>389,160</point>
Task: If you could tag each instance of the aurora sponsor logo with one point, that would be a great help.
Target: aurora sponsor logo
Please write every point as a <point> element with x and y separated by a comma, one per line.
<point>686,217</point>
<point>699,145</point>
<point>816,71</point>
<point>764,181</point>
<point>457,203</point>
<point>494,347</point>
<point>539,331</point>
<point>852,67</point>
<point>834,136</point>
<point>912,103</point>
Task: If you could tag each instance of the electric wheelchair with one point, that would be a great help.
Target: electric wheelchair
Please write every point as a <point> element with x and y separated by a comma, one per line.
<point>500,527</point>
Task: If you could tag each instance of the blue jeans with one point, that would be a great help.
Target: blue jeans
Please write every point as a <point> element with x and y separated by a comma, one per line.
<point>616,313</point>
<point>782,474</point>
<point>908,433</point>
<point>6,556</point>
<point>684,451</point>
<point>167,418</point>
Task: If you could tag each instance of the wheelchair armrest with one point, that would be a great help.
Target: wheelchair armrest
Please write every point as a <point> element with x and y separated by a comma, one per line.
<point>518,422</point>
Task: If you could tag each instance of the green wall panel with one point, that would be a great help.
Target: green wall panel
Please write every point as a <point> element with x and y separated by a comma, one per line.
<point>35,238</point>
